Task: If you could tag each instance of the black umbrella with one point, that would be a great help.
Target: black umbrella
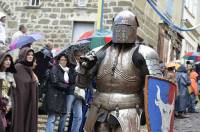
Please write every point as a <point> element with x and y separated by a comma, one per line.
<point>44,62</point>
<point>69,51</point>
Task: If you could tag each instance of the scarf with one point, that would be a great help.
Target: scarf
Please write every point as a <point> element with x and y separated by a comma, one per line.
<point>66,70</point>
<point>77,66</point>
<point>26,63</point>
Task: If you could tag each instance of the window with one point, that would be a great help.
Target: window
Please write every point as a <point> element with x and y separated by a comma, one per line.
<point>169,9</point>
<point>187,3</point>
<point>154,1</point>
<point>168,46</point>
<point>191,5</point>
<point>34,2</point>
<point>189,47</point>
<point>81,3</point>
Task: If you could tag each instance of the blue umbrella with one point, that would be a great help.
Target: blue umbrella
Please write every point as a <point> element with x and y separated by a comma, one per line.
<point>24,40</point>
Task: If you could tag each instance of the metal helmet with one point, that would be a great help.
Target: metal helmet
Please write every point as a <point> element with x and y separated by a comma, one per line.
<point>125,27</point>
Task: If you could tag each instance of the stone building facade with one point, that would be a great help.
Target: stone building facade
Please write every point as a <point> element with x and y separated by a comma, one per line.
<point>56,18</point>
<point>191,18</point>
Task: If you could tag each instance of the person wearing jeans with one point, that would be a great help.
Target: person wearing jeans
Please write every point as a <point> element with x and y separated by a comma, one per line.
<point>77,115</point>
<point>51,121</point>
<point>70,99</point>
<point>74,105</point>
<point>74,102</point>
<point>57,91</point>
<point>69,106</point>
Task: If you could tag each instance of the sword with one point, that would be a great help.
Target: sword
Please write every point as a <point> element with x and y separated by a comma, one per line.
<point>93,56</point>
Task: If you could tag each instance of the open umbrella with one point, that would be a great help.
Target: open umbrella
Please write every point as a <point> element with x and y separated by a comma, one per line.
<point>44,62</point>
<point>97,38</point>
<point>82,42</point>
<point>55,51</point>
<point>195,56</point>
<point>65,50</point>
<point>173,64</point>
<point>69,51</point>
<point>24,40</point>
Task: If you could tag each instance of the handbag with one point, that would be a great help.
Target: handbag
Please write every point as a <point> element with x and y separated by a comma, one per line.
<point>79,93</point>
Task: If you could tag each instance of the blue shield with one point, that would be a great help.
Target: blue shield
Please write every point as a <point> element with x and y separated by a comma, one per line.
<point>159,104</point>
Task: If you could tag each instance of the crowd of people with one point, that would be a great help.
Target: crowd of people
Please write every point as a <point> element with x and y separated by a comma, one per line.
<point>22,85</point>
<point>186,77</point>
<point>21,92</point>
<point>18,88</point>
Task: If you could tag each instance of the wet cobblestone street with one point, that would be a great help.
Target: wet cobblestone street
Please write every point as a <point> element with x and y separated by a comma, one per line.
<point>191,124</point>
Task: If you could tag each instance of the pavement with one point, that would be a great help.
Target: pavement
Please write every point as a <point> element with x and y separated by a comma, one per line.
<point>191,124</point>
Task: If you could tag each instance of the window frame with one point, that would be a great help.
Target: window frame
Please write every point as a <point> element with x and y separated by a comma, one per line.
<point>34,5</point>
<point>81,3</point>
<point>155,1</point>
<point>191,6</point>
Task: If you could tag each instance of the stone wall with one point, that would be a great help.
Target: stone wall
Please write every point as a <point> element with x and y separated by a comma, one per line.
<point>148,29</point>
<point>55,18</point>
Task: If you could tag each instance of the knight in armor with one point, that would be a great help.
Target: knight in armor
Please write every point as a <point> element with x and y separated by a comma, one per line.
<point>119,68</point>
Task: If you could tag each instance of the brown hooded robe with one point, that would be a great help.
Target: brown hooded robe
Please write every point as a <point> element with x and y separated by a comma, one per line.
<point>25,99</point>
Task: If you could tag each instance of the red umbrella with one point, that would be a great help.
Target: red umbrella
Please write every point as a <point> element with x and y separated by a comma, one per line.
<point>86,35</point>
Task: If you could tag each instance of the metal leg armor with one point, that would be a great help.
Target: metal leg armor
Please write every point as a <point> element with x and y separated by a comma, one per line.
<point>129,119</point>
<point>124,120</point>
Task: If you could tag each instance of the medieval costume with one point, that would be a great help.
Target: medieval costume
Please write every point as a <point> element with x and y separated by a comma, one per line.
<point>120,68</point>
<point>7,84</point>
<point>183,81</point>
<point>25,99</point>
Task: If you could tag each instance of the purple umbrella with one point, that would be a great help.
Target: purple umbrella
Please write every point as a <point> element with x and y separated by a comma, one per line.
<point>24,40</point>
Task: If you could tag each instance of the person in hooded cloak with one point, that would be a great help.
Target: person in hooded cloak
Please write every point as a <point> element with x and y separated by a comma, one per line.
<point>25,99</point>
<point>7,84</point>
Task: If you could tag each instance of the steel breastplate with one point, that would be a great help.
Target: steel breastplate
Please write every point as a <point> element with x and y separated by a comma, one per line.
<point>126,76</point>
